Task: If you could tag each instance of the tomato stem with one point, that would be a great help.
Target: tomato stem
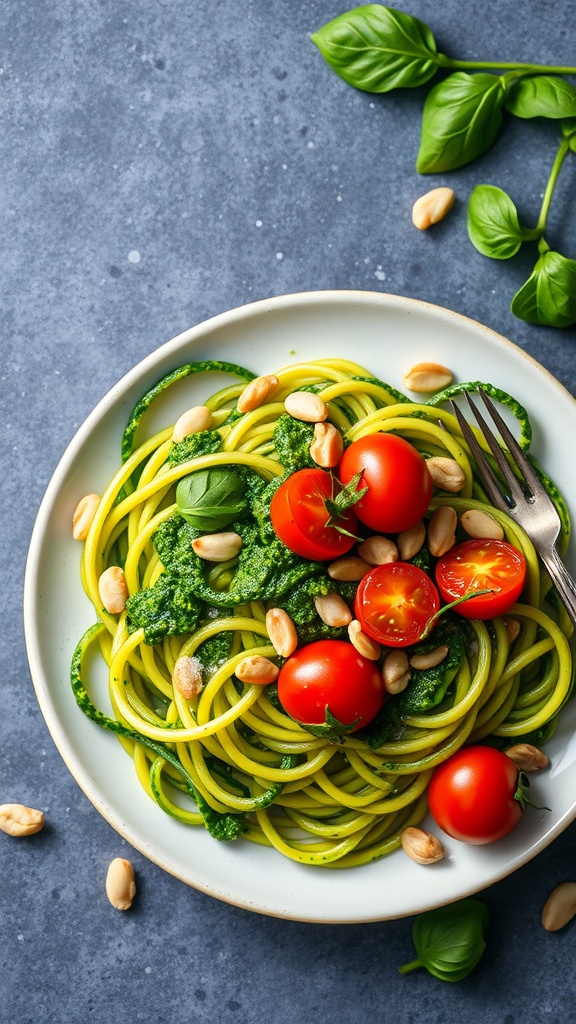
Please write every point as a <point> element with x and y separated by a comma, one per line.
<point>522,793</point>
<point>446,608</point>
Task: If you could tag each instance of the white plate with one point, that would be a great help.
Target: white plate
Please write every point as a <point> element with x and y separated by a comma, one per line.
<point>386,334</point>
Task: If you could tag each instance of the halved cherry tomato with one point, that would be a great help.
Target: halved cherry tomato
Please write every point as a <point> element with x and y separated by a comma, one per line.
<point>491,565</point>
<point>474,796</point>
<point>398,481</point>
<point>300,518</point>
<point>330,675</point>
<point>395,602</point>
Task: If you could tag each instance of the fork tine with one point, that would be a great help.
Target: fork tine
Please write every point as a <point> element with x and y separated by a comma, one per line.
<point>501,461</point>
<point>493,490</point>
<point>514,448</point>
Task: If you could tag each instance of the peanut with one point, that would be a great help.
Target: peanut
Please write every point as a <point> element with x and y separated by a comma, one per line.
<point>327,445</point>
<point>83,515</point>
<point>396,672</point>
<point>479,524</point>
<point>257,392</point>
<point>560,907</point>
<point>430,659</point>
<point>333,610</point>
<point>432,207</point>
<point>306,406</point>
<point>410,541</point>
<point>363,643</point>
<point>120,883</point>
<point>378,550</point>
<point>527,757</point>
<point>187,677</point>
<point>217,547</point>
<point>349,569</point>
<point>18,820</point>
<point>442,530</point>
<point>421,846</point>
<point>282,632</point>
<point>113,590</point>
<point>256,669</point>
<point>446,474</point>
<point>191,422</point>
<point>427,377</point>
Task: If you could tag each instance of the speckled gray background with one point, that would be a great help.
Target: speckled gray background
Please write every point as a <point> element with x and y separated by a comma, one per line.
<point>161,162</point>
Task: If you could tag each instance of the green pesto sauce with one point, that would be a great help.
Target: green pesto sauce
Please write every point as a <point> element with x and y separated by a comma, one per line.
<point>427,688</point>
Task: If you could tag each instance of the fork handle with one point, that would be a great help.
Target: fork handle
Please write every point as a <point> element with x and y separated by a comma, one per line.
<point>562,580</point>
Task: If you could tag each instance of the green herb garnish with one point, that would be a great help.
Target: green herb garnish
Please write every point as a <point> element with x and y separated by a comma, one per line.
<point>450,941</point>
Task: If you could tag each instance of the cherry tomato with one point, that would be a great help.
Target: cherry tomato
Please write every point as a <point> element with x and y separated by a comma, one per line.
<point>330,675</point>
<point>299,516</point>
<point>394,603</point>
<point>472,795</point>
<point>399,484</point>
<point>491,565</point>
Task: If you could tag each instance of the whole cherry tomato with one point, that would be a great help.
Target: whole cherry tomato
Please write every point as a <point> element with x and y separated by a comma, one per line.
<point>395,473</point>
<point>303,523</point>
<point>476,795</point>
<point>395,602</point>
<point>492,565</point>
<point>330,675</point>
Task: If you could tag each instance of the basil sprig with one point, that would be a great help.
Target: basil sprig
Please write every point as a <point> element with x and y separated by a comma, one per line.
<point>211,499</point>
<point>450,941</point>
<point>548,297</point>
<point>377,49</point>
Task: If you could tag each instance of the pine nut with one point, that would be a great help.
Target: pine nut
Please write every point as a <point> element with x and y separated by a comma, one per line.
<point>427,377</point>
<point>481,525</point>
<point>282,632</point>
<point>191,422</point>
<point>217,547</point>
<point>306,406</point>
<point>120,883</point>
<point>410,541</point>
<point>257,392</point>
<point>446,474</point>
<point>513,628</point>
<point>327,445</point>
<point>432,207</point>
<point>113,590</point>
<point>560,907</point>
<point>333,610</point>
<point>421,846</point>
<point>83,515</point>
<point>256,669</point>
<point>527,757</point>
<point>378,550</point>
<point>187,677</point>
<point>364,644</point>
<point>430,659</point>
<point>396,672</point>
<point>18,820</point>
<point>442,530</point>
<point>348,569</point>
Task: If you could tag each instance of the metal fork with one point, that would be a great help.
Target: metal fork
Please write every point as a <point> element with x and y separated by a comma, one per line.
<point>525,500</point>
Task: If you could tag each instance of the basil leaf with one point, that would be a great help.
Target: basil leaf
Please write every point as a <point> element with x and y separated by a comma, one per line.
<point>211,499</point>
<point>377,48</point>
<point>542,96</point>
<point>461,119</point>
<point>493,224</point>
<point>450,941</point>
<point>548,297</point>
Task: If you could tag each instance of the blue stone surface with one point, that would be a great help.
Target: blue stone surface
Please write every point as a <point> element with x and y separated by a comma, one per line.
<point>161,162</point>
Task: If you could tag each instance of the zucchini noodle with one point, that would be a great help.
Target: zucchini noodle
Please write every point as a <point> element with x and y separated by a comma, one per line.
<point>229,758</point>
